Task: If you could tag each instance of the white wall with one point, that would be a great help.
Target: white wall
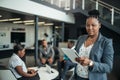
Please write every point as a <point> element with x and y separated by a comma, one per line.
<point>6,29</point>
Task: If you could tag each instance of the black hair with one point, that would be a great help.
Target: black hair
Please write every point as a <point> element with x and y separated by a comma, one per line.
<point>17,48</point>
<point>93,13</point>
<point>72,42</point>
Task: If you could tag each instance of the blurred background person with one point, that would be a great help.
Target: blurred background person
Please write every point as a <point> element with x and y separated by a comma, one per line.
<point>18,67</point>
<point>46,53</point>
<point>64,64</point>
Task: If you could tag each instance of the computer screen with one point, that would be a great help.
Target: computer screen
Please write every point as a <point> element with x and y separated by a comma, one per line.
<point>17,37</point>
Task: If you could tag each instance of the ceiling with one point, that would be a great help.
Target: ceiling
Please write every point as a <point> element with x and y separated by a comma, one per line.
<point>22,17</point>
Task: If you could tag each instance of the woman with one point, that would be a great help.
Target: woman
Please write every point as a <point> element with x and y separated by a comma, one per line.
<point>18,67</point>
<point>95,51</point>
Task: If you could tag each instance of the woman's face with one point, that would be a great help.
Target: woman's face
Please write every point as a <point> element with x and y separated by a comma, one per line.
<point>92,26</point>
<point>21,53</point>
<point>70,45</point>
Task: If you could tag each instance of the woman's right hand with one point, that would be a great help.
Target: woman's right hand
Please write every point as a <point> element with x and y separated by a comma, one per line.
<point>33,74</point>
<point>83,61</point>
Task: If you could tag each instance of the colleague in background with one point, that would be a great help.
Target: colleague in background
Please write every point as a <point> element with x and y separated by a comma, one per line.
<point>18,67</point>
<point>95,51</point>
<point>46,53</point>
<point>64,64</point>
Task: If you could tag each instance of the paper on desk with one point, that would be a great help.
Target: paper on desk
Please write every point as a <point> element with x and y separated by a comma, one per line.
<point>48,68</point>
<point>71,53</point>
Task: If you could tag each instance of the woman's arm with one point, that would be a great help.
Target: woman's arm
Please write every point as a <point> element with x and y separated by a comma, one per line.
<point>25,74</point>
<point>106,63</point>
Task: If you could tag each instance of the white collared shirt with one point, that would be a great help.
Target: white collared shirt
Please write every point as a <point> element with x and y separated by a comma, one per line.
<point>15,61</point>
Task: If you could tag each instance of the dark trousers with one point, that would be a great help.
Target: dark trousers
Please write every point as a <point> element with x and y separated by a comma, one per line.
<point>79,78</point>
<point>36,77</point>
<point>63,67</point>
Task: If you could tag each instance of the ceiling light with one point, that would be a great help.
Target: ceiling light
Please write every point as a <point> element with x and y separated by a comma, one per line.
<point>3,20</point>
<point>57,27</point>
<point>48,24</point>
<point>0,15</point>
<point>14,19</point>
<point>18,22</point>
<point>31,23</point>
<point>41,22</point>
<point>28,21</point>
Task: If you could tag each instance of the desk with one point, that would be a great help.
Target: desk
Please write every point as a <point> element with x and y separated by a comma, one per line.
<point>44,74</point>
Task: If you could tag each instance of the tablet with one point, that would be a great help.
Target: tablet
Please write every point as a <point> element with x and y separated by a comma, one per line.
<point>70,53</point>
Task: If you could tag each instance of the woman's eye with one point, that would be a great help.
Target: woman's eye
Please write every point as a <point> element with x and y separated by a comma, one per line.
<point>93,25</point>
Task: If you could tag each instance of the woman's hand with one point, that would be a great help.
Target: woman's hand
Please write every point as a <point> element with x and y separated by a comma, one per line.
<point>25,74</point>
<point>31,71</point>
<point>83,61</point>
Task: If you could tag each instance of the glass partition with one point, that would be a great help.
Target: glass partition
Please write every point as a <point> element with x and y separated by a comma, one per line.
<point>105,13</point>
<point>117,19</point>
<point>104,8</point>
<point>90,5</point>
<point>78,4</point>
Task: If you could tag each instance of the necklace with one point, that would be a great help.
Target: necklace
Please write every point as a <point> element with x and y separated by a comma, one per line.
<point>89,41</point>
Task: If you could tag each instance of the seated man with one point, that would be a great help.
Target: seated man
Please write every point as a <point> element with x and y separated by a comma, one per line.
<point>65,63</point>
<point>46,53</point>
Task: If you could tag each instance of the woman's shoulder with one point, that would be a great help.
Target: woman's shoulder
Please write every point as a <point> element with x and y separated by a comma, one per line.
<point>106,40</point>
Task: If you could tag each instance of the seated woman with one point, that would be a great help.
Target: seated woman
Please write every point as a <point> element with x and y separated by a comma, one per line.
<point>18,67</point>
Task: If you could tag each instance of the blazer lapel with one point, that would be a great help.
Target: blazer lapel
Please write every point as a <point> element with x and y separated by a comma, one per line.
<point>95,46</point>
<point>81,41</point>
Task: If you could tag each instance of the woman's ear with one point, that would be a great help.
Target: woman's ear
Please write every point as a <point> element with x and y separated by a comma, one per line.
<point>19,52</point>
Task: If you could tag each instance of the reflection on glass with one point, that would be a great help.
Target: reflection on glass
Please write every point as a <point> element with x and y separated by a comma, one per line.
<point>105,13</point>
<point>78,4</point>
<point>104,9</point>
<point>89,5</point>
<point>117,19</point>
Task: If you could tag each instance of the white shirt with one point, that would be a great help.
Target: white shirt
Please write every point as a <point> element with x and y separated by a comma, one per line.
<point>82,71</point>
<point>15,61</point>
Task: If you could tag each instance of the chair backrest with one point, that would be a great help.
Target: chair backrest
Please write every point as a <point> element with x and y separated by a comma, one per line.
<point>6,75</point>
<point>72,69</point>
